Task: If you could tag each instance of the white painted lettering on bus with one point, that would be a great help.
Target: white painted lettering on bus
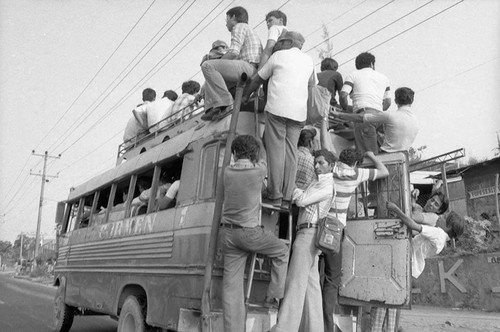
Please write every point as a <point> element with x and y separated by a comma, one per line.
<point>132,226</point>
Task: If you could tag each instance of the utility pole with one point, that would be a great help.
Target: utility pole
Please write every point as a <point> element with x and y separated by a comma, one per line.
<point>44,179</point>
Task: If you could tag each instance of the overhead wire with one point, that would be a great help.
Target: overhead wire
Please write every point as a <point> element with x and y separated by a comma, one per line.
<point>382,28</point>
<point>336,18</point>
<point>459,73</point>
<point>97,73</point>
<point>408,29</point>
<point>127,94</point>
<point>199,71</point>
<point>83,116</point>
<point>351,25</point>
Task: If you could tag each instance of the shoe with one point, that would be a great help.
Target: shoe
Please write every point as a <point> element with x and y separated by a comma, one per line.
<point>276,203</point>
<point>271,303</point>
<point>208,116</point>
<point>221,112</point>
<point>286,205</point>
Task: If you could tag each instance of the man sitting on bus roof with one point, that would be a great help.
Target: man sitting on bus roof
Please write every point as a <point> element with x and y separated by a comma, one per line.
<point>243,56</point>
<point>137,126</point>
<point>243,233</point>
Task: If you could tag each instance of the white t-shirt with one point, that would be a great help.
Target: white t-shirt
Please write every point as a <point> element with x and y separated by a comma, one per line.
<point>275,31</point>
<point>401,128</point>
<point>368,87</point>
<point>430,242</point>
<point>288,72</point>
<point>157,111</point>
<point>172,191</point>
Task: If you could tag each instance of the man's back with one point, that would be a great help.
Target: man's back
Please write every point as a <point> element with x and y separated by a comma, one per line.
<point>246,43</point>
<point>368,88</point>
<point>332,80</point>
<point>288,72</point>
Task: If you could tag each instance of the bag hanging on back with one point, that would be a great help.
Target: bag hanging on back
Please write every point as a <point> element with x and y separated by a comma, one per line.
<point>318,104</point>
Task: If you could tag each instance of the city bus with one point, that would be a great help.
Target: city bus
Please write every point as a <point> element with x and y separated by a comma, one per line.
<point>161,269</point>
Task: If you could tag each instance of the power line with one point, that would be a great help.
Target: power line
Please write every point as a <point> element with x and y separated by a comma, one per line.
<point>127,94</point>
<point>349,26</point>
<point>97,73</point>
<point>83,116</point>
<point>199,71</point>
<point>408,29</point>
<point>19,174</point>
<point>385,26</point>
<point>336,18</point>
<point>460,73</point>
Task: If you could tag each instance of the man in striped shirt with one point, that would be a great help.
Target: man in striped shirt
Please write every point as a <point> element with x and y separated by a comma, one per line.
<point>346,177</point>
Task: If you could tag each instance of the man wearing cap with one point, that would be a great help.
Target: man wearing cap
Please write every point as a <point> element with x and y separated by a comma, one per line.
<point>243,56</point>
<point>369,91</point>
<point>219,48</point>
<point>289,72</point>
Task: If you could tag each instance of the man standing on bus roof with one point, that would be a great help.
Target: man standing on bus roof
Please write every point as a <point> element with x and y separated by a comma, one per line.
<point>243,233</point>
<point>369,91</point>
<point>243,56</point>
<point>290,72</point>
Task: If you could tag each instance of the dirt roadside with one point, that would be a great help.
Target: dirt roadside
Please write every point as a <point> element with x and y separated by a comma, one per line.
<point>428,319</point>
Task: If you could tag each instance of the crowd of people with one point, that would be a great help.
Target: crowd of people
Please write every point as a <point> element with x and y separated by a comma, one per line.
<point>316,183</point>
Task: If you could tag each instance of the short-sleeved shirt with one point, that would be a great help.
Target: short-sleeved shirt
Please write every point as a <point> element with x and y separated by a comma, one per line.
<point>332,80</point>
<point>430,242</point>
<point>367,88</point>
<point>346,180</point>
<point>288,72</point>
<point>157,111</point>
<point>242,192</point>
<point>305,168</point>
<point>401,128</point>
<point>173,189</point>
<point>245,43</point>
<point>185,102</point>
<point>275,32</point>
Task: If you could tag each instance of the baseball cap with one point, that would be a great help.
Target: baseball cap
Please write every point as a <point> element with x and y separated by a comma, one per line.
<point>294,36</point>
<point>218,43</point>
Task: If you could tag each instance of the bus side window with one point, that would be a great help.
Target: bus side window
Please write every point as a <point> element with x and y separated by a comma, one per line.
<point>210,161</point>
<point>73,211</point>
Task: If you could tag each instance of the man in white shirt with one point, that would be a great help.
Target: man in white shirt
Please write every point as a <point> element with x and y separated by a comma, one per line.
<point>400,127</point>
<point>289,72</point>
<point>276,24</point>
<point>137,125</point>
<point>369,91</point>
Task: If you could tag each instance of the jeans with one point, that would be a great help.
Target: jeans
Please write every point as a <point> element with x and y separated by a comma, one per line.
<point>238,244</point>
<point>365,134</point>
<point>221,75</point>
<point>280,138</point>
<point>301,309</point>
<point>333,270</point>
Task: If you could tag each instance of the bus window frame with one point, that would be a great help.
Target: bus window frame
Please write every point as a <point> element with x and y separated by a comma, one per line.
<point>202,170</point>
<point>154,189</point>
<point>94,207</point>
<point>111,199</point>
<point>130,195</point>
<point>79,214</point>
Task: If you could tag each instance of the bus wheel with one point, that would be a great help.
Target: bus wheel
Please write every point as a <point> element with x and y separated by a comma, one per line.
<point>63,313</point>
<point>131,316</point>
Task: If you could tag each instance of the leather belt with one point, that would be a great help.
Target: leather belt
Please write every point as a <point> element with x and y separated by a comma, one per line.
<point>306,225</point>
<point>232,226</point>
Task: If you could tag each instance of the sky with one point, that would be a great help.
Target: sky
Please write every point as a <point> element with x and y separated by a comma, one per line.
<point>71,71</point>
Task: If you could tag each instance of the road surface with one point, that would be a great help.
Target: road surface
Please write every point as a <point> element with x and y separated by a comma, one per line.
<point>26,306</point>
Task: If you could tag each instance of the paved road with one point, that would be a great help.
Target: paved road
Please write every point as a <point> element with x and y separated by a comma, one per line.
<point>27,307</point>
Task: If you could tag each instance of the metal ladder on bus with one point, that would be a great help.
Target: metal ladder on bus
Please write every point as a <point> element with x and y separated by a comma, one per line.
<point>269,207</point>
